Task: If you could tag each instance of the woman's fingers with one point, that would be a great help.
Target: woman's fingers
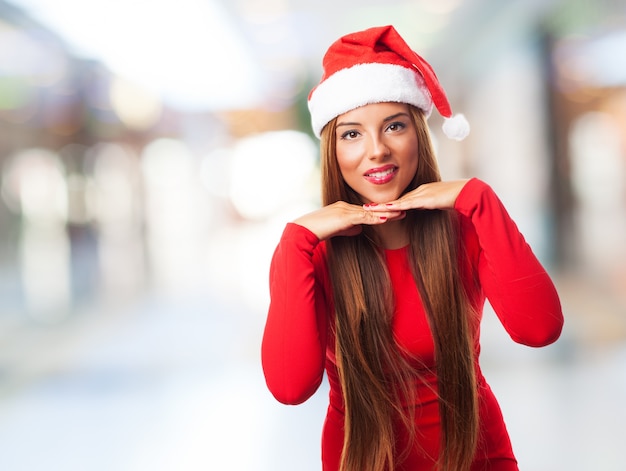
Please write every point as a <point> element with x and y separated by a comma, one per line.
<point>379,217</point>
<point>344,219</point>
<point>436,195</point>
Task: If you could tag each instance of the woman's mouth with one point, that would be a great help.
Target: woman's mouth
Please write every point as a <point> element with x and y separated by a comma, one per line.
<point>382,175</point>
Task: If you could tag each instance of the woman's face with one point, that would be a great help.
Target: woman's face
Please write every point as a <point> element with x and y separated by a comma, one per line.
<point>377,150</point>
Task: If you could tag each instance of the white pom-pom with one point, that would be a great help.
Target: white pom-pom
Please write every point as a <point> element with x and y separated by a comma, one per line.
<point>456,127</point>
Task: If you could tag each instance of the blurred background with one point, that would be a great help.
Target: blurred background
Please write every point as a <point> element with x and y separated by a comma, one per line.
<point>151,153</point>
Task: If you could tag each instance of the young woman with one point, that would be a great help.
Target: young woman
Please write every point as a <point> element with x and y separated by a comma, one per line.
<point>383,287</point>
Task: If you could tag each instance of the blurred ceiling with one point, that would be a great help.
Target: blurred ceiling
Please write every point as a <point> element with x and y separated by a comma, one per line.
<point>202,53</point>
<point>217,54</point>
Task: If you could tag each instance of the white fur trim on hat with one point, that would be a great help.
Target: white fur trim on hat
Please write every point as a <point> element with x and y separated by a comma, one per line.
<point>363,84</point>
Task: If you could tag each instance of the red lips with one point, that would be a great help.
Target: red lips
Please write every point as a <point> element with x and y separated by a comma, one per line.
<point>381,175</point>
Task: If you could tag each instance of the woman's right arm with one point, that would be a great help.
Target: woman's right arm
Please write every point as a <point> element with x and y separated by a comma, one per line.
<point>294,341</point>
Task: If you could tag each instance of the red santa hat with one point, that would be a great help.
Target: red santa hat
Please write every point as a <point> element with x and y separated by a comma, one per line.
<point>375,66</point>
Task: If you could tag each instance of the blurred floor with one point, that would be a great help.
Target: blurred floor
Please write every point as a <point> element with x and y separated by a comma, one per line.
<point>167,384</point>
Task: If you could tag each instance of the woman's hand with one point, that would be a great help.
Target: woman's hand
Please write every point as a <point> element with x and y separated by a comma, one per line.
<point>436,195</point>
<point>344,219</point>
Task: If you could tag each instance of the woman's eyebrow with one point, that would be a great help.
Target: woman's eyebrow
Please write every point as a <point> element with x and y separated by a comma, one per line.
<point>387,119</point>
<point>397,115</point>
<point>348,124</point>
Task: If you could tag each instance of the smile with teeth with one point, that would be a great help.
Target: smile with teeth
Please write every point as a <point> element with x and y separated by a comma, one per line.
<point>381,175</point>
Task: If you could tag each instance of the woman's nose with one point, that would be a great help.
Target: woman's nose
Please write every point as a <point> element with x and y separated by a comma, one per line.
<point>378,148</point>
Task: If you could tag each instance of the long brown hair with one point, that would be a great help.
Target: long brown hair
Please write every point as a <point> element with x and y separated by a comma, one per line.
<point>375,376</point>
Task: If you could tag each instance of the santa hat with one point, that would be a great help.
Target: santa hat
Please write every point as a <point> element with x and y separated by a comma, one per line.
<point>375,66</point>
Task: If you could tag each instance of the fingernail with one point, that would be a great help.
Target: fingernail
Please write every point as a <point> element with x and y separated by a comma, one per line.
<point>389,204</point>
<point>383,218</point>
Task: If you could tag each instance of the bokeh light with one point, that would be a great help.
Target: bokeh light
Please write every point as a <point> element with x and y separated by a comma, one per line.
<point>269,171</point>
<point>137,107</point>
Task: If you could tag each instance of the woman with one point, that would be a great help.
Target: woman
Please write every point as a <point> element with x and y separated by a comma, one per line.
<point>383,287</point>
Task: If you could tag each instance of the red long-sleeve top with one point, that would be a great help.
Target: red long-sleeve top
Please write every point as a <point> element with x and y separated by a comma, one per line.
<point>298,345</point>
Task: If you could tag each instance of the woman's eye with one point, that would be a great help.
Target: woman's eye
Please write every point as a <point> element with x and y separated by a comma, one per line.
<point>396,126</point>
<point>349,135</point>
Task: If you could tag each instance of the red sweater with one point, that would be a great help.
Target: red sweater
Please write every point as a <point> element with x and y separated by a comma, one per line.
<point>297,345</point>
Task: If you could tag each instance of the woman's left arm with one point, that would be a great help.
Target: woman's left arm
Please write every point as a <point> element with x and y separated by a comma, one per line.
<point>516,284</point>
<point>518,287</point>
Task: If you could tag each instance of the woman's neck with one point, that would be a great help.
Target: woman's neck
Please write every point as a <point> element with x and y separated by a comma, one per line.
<point>392,235</point>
